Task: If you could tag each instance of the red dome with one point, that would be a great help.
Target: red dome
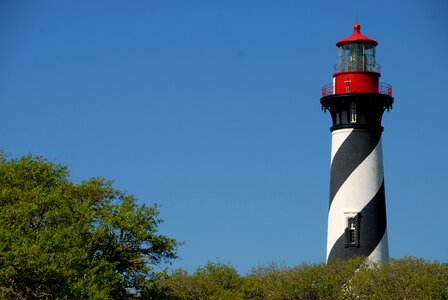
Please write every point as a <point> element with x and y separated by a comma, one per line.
<point>356,37</point>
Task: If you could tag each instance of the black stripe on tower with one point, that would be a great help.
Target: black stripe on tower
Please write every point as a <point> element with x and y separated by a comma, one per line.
<point>353,151</point>
<point>373,226</point>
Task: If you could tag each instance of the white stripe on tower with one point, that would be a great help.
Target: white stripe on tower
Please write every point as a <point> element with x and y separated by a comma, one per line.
<point>357,187</point>
<point>337,138</point>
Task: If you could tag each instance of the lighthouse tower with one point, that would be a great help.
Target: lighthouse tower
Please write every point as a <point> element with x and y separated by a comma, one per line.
<point>356,101</point>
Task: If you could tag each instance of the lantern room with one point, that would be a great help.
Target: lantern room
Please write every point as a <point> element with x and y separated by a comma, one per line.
<point>356,70</point>
<point>356,53</point>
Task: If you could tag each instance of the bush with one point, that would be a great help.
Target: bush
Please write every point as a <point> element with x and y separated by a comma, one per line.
<point>213,281</point>
<point>407,278</point>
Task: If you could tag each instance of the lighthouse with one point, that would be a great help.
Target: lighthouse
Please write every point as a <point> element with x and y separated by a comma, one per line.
<point>356,100</point>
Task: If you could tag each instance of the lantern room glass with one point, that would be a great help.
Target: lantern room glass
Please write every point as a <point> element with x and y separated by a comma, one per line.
<point>357,57</point>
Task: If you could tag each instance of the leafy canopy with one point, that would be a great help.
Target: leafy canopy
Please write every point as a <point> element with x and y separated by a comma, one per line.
<point>59,239</point>
<point>357,278</point>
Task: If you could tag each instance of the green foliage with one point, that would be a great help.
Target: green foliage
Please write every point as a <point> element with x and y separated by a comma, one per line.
<point>64,240</point>
<point>407,278</point>
<point>302,282</point>
<point>213,281</point>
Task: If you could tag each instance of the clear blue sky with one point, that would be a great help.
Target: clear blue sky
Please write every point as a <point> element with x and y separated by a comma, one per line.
<point>211,109</point>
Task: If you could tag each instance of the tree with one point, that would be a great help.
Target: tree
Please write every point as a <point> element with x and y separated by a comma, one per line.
<point>59,239</point>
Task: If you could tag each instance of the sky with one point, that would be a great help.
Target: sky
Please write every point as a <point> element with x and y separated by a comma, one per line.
<point>211,110</point>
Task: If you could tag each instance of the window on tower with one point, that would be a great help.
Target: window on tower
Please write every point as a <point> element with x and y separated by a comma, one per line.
<point>353,116</point>
<point>344,119</point>
<point>352,231</point>
<point>337,118</point>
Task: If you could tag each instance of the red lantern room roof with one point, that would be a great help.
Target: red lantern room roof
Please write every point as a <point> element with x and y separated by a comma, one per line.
<point>356,37</point>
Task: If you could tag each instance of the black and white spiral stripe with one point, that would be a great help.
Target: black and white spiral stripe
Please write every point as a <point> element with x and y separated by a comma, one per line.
<point>357,187</point>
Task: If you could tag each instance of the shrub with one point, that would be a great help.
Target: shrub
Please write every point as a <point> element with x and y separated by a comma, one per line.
<point>407,278</point>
